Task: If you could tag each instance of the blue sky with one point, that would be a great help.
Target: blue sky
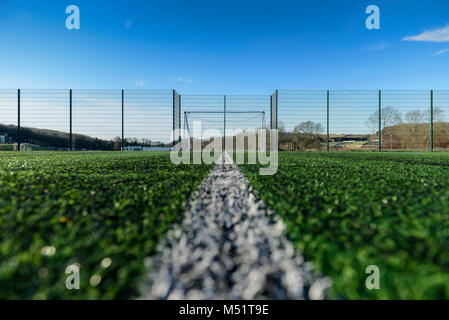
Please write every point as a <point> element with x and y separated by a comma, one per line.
<point>226,47</point>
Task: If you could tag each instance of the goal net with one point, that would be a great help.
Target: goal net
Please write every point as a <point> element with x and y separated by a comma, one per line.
<point>238,128</point>
<point>209,124</point>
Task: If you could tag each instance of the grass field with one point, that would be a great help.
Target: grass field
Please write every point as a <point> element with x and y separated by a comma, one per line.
<point>107,211</point>
<point>103,211</point>
<point>346,211</point>
<point>6,147</point>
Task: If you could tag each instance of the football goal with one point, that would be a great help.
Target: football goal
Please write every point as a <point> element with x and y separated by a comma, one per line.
<point>209,124</point>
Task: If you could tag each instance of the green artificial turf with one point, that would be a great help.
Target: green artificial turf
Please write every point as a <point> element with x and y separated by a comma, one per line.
<point>102,211</point>
<point>6,147</point>
<point>346,211</point>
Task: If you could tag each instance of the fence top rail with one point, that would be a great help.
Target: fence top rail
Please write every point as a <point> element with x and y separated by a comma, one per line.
<point>357,90</point>
<point>284,91</point>
<point>252,96</point>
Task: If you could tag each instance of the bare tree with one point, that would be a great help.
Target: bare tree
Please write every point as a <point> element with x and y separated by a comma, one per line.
<point>409,134</point>
<point>389,117</point>
<point>308,127</point>
<point>414,117</point>
<point>281,127</point>
<point>117,143</point>
<point>438,115</point>
<point>146,142</point>
<point>372,122</point>
<point>319,128</point>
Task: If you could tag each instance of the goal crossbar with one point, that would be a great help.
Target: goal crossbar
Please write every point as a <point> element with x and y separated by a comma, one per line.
<point>224,120</point>
<point>259,112</point>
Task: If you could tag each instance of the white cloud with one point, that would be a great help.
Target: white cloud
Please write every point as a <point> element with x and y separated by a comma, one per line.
<point>435,35</point>
<point>182,80</point>
<point>378,47</point>
<point>439,52</point>
<point>128,24</point>
<point>140,83</point>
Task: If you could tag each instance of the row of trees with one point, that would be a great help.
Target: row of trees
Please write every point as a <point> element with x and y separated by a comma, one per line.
<point>144,142</point>
<point>390,117</point>
<point>305,135</point>
<point>306,127</point>
<point>410,130</point>
<point>60,140</point>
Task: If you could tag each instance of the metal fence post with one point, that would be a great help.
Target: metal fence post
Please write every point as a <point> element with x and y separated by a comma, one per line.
<point>224,124</point>
<point>18,120</point>
<point>71,133</point>
<point>271,111</point>
<point>174,116</point>
<point>179,112</point>
<point>185,125</point>
<point>277,109</point>
<point>327,126</point>
<point>431,120</point>
<point>380,121</point>
<point>123,120</point>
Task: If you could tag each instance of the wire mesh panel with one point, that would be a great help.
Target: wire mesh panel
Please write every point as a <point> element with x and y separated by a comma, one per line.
<point>245,114</point>
<point>274,104</point>
<point>214,123</point>
<point>204,124</point>
<point>8,119</point>
<point>441,120</point>
<point>353,120</point>
<point>230,113</point>
<point>307,120</point>
<point>252,103</point>
<point>176,115</point>
<point>148,118</point>
<point>252,106</point>
<point>302,119</point>
<point>202,103</point>
<point>45,119</point>
<point>405,120</point>
<point>212,104</point>
<point>97,119</point>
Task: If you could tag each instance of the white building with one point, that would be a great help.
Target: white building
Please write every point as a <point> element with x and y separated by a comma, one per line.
<point>157,148</point>
<point>141,148</point>
<point>133,148</point>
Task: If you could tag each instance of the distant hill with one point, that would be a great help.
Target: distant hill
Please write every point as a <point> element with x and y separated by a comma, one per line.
<point>57,139</point>
<point>416,136</point>
<point>404,136</point>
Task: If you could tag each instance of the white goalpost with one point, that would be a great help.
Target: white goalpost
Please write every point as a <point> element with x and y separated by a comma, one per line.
<point>224,124</point>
